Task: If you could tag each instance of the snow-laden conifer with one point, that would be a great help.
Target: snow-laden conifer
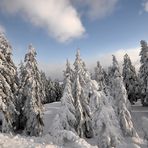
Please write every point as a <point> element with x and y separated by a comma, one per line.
<point>68,110</point>
<point>68,71</point>
<point>120,101</point>
<point>81,88</point>
<point>130,80</point>
<point>100,76</point>
<point>8,86</point>
<point>144,72</point>
<point>44,87</point>
<point>65,121</point>
<point>31,95</point>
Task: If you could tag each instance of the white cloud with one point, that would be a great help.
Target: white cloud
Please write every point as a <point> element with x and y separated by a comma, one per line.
<point>97,9</point>
<point>145,4</point>
<point>59,18</point>
<point>2,29</point>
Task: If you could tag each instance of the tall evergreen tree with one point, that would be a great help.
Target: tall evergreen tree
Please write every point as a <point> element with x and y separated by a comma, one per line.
<point>100,76</point>
<point>130,80</point>
<point>78,106</point>
<point>81,70</point>
<point>51,91</point>
<point>65,121</point>
<point>68,109</point>
<point>144,72</point>
<point>44,87</point>
<point>31,94</point>
<point>81,98</point>
<point>58,90</point>
<point>120,102</point>
<point>8,86</point>
<point>68,71</point>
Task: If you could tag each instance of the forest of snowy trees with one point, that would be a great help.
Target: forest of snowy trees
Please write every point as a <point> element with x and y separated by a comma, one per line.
<point>92,106</point>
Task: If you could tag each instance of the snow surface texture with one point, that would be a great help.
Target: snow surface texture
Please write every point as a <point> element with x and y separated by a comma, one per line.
<point>20,142</point>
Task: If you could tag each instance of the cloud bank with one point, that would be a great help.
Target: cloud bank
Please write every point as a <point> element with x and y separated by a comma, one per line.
<point>59,18</point>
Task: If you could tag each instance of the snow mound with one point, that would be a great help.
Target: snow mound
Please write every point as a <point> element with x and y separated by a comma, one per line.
<point>69,139</point>
<point>20,142</point>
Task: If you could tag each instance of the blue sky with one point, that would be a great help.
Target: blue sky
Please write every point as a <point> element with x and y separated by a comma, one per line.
<point>56,30</point>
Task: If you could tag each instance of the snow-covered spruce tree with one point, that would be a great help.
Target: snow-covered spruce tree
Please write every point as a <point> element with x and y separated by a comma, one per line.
<point>65,122</point>
<point>105,122</point>
<point>54,90</point>
<point>67,112</point>
<point>99,76</point>
<point>81,70</point>
<point>130,80</point>
<point>83,113</point>
<point>58,90</point>
<point>68,72</point>
<point>144,72</point>
<point>73,117</point>
<point>21,75</point>
<point>51,91</point>
<point>30,95</point>
<point>8,86</point>
<point>81,96</point>
<point>120,101</point>
<point>44,87</point>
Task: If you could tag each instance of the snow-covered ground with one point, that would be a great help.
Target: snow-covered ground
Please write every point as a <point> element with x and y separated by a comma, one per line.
<point>138,112</point>
<point>51,110</point>
<point>9,141</point>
